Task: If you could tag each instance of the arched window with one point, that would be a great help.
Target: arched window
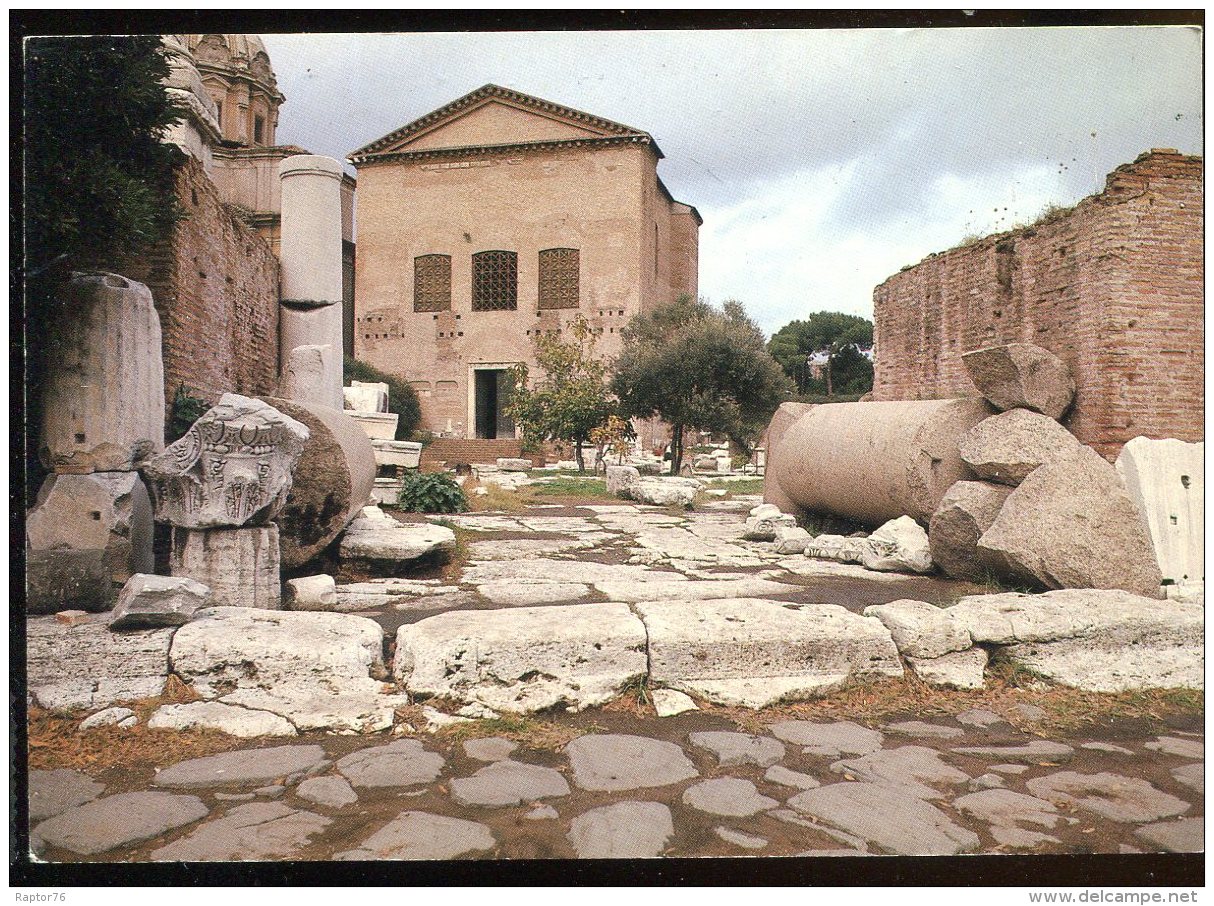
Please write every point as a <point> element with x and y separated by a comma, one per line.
<point>494,281</point>
<point>432,283</point>
<point>559,286</point>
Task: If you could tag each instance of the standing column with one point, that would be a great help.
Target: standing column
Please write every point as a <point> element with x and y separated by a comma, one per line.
<point>310,251</point>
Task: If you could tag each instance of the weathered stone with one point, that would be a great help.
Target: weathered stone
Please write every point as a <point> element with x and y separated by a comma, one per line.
<point>966,511</point>
<point>243,768</point>
<point>1021,375</point>
<point>979,717</point>
<point>492,748</point>
<point>382,543</point>
<point>1005,809</point>
<point>73,617</point>
<point>889,817</point>
<point>542,813</point>
<point>239,565</point>
<point>61,578</point>
<point>87,666</point>
<point>920,629</point>
<point>872,462</point>
<point>835,547</point>
<point>235,721</point>
<point>737,838</point>
<point>307,374</point>
<point>1106,641</point>
<point>110,717</point>
<point>330,791</point>
<point>1035,752</point>
<point>955,670</point>
<point>52,792</point>
<point>1112,796</point>
<point>231,469</point>
<point>365,396</point>
<point>657,588</point>
<point>401,454</point>
<point>330,485</point>
<point>248,833</point>
<point>625,830</point>
<point>1105,747</point>
<point>504,783</point>
<point>311,593</point>
<point>420,835</point>
<point>401,763</point>
<point>791,540</point>
<point>764,527</point>
<point>910,768</point>
<point>987,782</point>
<point>669,702</point>
<point>108,512</point>
<point>514,465</point>
<point>1007,447</point>
<point>727,796</point>
<point>524,659</point>
<point>621,480</point>
<point>664,492</point>
<point>777,773</point>
<point>617,762</point>
<point>1184,836</point>
<point>752,652</point>
<point>105,824</point>
<point>378,426</point>
<point>103,394</point>
<point>1071,524</point>
<point>922,729</point>
<point>1192,776</point>
<point>1173,745</point>
<point>149,602</point>
<point>318,670</point>
<point>1165,479</point>
<point>899,545</point>
<point>831,740</point>
<point>511,594</point>
<point>739,748</point>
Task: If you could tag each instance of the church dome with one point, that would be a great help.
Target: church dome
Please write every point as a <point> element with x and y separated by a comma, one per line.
<point>243,55</point>
<point>236,72</point>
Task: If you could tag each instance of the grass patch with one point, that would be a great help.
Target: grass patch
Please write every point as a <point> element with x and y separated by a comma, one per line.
<point>571,485</point>
<point>497,500</point>
<point>745,486</point>
<point>531,732</point>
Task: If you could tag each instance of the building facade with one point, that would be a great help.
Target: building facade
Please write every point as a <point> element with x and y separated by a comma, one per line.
<point>1113,287</point>
<point>496,219</point>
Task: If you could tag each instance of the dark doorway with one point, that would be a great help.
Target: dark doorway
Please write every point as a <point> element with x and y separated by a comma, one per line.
<point>492,392</point>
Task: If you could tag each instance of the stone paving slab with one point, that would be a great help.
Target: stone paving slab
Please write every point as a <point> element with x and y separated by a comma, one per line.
<point>401,763</point>
<point>52,792</point>
<point>248,833</point>
<point>1112,796</point>
<point>829,739</point>
<point>247,767</point>
<point>120,820</point>
<point>621,762</point>
<point>625,830</point>
<point>420,835</point>
<point>505,783</point>
<point>727,796</point>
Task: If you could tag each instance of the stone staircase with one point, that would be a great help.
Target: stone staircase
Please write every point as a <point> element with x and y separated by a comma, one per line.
<point>466,449</point>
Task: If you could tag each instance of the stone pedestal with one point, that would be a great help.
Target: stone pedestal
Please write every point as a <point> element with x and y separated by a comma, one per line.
<point>103,402</point>
<point>239,565</point>
<point>310,252</point>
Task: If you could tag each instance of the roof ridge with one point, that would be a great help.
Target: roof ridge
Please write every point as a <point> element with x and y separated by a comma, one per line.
<point>486,91</point>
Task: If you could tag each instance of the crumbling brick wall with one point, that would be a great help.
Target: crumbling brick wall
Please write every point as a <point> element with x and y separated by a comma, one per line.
<point>1113,287</point>
<point>215,285</point>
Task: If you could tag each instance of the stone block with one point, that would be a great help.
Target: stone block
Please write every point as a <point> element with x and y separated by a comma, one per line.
<point>1102,640</point>
<point>331,483</point>
<point>103,398</point>
<point>310,593</point>
<point>621,480</point>
<point>376,425</point>
<point>524,659</point>
<point>148,602</point>
<point>1071,524</point>
<point>751,652</point>
<point>665,491</point>
<point>791,539</point>
<point>835,547</point>
<point>1165,478</point>
<point>1021,375</point>
<point>403,454</point>
<point>366,396</point>
<point>239,565</point>
<point>968,509</point>
<point>87,666</point>
<point>59,579</point>
<point>920,629</point>
<point>763,527</point>
<point>514,465</point>
<point>381,544</point>
<point>307,373</point>
<point>956,670</point>
<point>232,468</point>
<point>1007,447</point>
<point>900,545</point>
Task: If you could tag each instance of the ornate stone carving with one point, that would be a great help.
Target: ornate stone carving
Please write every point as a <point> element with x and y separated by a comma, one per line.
<point>232,468</point>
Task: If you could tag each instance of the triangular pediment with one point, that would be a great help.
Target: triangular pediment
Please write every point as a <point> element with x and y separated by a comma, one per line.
<point>492,117</point>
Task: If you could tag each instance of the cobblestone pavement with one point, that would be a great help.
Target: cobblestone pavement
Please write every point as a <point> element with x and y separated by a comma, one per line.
<point>629,784</point>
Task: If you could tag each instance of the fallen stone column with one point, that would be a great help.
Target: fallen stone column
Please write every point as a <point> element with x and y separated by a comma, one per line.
<point>331,483</point>
<point>783,419</point>
<point>311,312</point>
<point>1021,375</point>
<point>870,462</point>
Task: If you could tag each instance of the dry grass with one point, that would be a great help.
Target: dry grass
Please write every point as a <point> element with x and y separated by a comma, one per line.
<point>56,740</point>
<point>496,501</point>
<point>530,732</point>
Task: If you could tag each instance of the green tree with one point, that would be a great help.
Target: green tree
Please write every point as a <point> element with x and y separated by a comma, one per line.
<point>571,399</point>
<point>402,398</point>
<point>840,339</point>
<point>698,367</point>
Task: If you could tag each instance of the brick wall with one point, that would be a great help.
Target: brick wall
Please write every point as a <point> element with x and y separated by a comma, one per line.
<point>1113,287</point>
<point>215,285</point>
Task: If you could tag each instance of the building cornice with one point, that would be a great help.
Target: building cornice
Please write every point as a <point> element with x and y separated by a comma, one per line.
<point>482,150</point>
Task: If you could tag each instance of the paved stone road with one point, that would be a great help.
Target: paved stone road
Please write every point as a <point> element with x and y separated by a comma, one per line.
<point>638,785</point>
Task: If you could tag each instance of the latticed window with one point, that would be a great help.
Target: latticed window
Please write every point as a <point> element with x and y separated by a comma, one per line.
<point>494,281</point>
<point>559,278</point>
<point>432,283</point>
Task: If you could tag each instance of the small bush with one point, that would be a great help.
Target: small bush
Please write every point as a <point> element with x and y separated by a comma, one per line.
<point>402,398</point>
<point>431,492</point>
<point>187,409</point>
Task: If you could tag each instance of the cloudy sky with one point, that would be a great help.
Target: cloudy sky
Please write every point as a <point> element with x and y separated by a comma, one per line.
<point>822,161</point>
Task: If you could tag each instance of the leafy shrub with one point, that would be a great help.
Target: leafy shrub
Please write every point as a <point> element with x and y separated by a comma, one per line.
<point>187,409</point>
<point>431,492</point>
<point>402,398</point>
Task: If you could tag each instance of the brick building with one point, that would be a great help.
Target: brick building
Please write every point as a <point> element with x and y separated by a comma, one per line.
<point>1112,286</point>
<point>495,219</point>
